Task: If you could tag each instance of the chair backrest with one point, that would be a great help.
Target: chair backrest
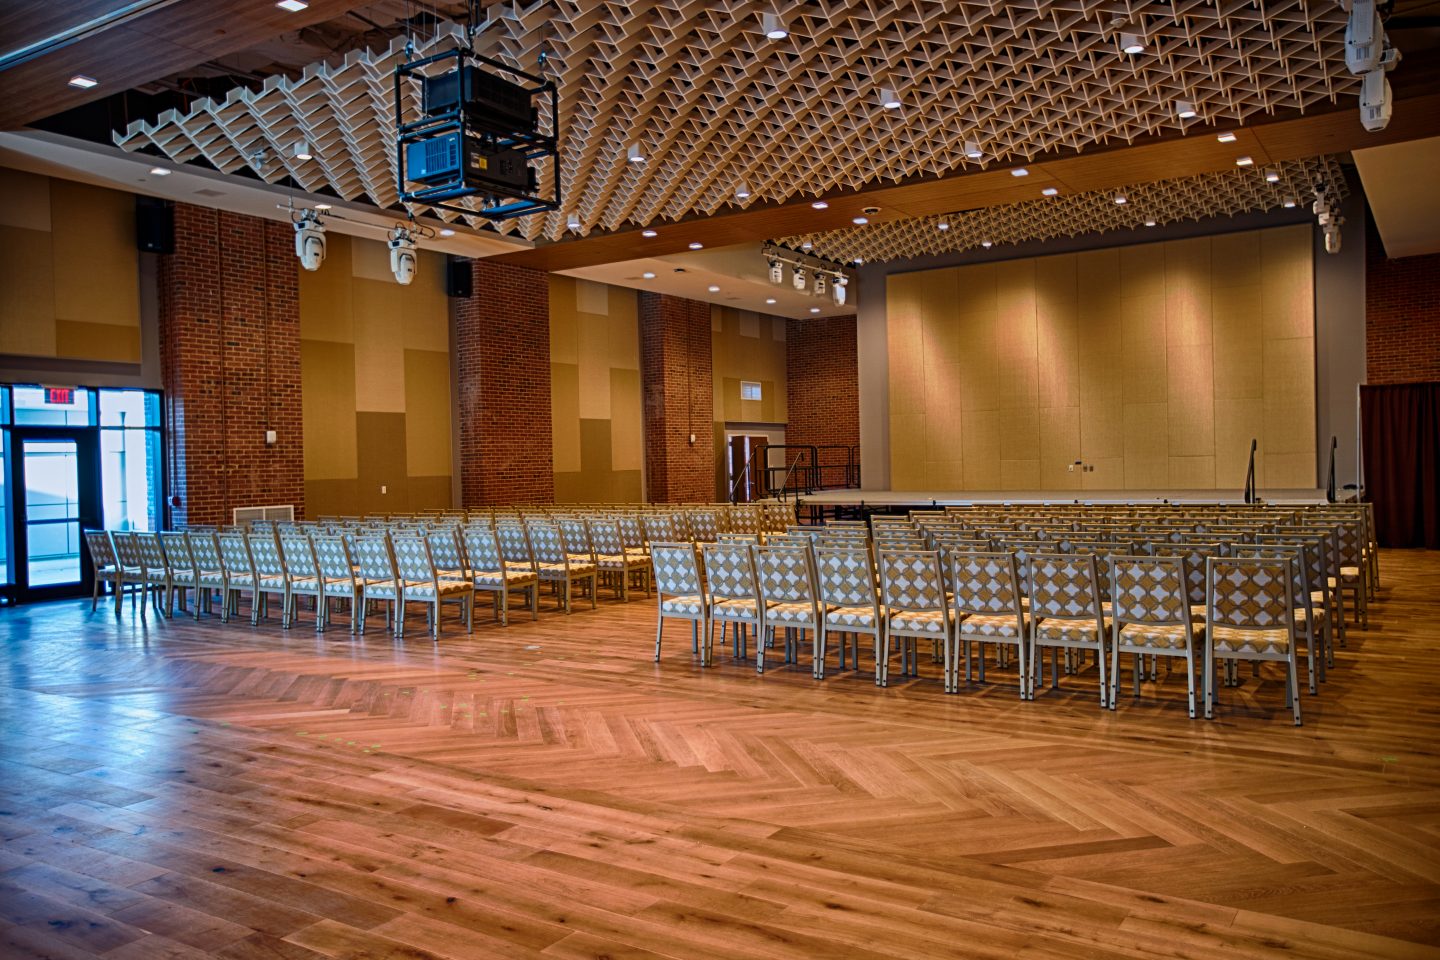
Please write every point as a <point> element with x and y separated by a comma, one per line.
<point>605,536</point>
<point>1316,556</point>
<point>483,549</point>
<point>547,543</point>
<point>676,571</point>
<point>1064,586</point>
<point>632,531</point>
<point>984,582</point>
<point>205,550</point>
<point>660,528</point>
<point>1195,554</point>
<point>372,555</point>
<point>730,571</point>
<point>444,544</point>
<point>846,575</point>
<point>299,556</point>
<point>127,551</point>
<point>911,579</point>
<point>1153,590</point>
<point>1249,592</point>
<point>265,554</point>
<point>576,534</point>
<point>703,525</point>
<point>177,550</point>
<point>102,554</point>
<point>785,574</point>
<point>515,544</point>
<point>152,552</point>
<point>412,559</point>
<point>332,556</point>
<point>235,555</point>
<point>1297,554</point>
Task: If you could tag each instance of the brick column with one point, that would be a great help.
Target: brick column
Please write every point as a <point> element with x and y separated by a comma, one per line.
<point>230,362</point>
<point>676,372</point>
<point>502,352</point>
<point>1402,314</point>
<point>822,375</point>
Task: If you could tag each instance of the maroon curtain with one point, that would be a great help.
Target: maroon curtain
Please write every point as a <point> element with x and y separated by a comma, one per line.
<point>1401,428</point>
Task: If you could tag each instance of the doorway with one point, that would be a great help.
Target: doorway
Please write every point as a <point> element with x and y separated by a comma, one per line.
<point>57,485</point>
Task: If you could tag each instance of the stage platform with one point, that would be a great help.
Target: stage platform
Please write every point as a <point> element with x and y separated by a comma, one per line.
<point>886,501</point>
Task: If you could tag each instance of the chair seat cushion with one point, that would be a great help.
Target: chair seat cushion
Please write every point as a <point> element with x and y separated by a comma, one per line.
<point>272,582</point>
<point>493,578</point>
<point>990,625</point>
<point>241,580</point>
<point>554,571</point>
<point>1238,640</point>
<point>788,612</point>
<point>182,576</point>
<point>1157,636</point>
<point>853,617</point>
<point>1350,573</point>
<point>735,610</point>
<point>1058,630</point>
<point>447,588</point>
<point>918,621</point>
<point>683,606</point>
<point>1302,615</point>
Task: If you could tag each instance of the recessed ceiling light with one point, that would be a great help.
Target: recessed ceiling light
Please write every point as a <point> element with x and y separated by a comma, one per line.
<point>986,244</point>
<point>1289,202</point>
<point>972,150</point>
<point>1184,109</point>
<point>814,309</point>
<point>1019,172</point>
<point>1121,198</point>
<point>742,192</point>
<point>807,246</point>
<point>294,6</point>
<point>859,260</point>
<point>159,172</point>
<point>1243,161</point>
<point>82,81</point>
<point>1227,137</point>
<point>769,299</point>
<point>573,221</point>
<point>773,26</point>
<point>859,221</point>
<point>1132,43</point>
<point>713,289</point>
<point>888,99</point>
<point>302,150</point>
<point>820,205</point>
<point>1272,175</point>
<point>1149,223</point>
<point>649,233</point>
<point>1049,192</point>
<point>696,245</point>
<point>942,225</point>
<point>648,275</point>
<point>447,232</point>
<point>322,206</point>
<point>634,153</point>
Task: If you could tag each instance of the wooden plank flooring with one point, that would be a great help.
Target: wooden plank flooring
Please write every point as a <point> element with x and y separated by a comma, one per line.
<point>171,789</point>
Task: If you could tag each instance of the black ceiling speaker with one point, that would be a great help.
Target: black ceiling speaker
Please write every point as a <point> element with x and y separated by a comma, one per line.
<point>154,225</point>
<point>459,278</point>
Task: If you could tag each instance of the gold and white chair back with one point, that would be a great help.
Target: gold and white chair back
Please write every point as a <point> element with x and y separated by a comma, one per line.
<point>849,601</point>
<point>732,594</point>
<point>988,608</point>
<point>681,593</point>
<point>789,599</point>
<point>1250,616</point>
<point>269,575</point>
<point>1151,615</point>
<point>1065,612</point>
<point>916,607</point>
<point>239,570</point>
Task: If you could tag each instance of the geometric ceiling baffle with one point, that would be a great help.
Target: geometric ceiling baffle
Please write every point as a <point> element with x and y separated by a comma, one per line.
<point>711,103</point>
<point>1226,193</point>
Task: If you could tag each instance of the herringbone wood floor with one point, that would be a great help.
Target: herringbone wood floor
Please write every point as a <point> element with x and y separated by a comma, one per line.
<point>180,790</point>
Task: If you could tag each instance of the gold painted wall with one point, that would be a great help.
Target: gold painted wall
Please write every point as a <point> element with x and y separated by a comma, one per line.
<point>597,427</point>
<point>70,277</point>
<point>745,345</point>
<point>375,376</point>
<point>1156,363</point>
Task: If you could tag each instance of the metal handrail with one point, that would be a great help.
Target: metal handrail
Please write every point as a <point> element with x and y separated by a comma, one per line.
<point>743,473</point>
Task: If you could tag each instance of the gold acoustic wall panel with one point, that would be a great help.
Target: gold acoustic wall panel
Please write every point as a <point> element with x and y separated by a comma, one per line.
<point>1155,363</point>
<point>745,345</point>
<point>375,376</point>
<point>595,403</point>
<point>70,276</point>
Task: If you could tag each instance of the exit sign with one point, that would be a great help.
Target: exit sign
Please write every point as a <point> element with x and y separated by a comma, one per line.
<point>64,396</point>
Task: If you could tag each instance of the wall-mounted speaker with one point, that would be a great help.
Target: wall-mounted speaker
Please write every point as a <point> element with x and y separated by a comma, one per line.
<point>459,280</point>
<point>154,225</point>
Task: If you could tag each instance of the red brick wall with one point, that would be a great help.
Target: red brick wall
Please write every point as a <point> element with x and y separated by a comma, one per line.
<point>502,349</point>
<point>230,361</point>
<point>823,389</point>
<point>1402,315</point>
<point>676,373</point>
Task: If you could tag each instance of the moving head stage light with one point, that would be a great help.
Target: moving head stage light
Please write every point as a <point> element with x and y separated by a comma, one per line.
<point>480,135</point>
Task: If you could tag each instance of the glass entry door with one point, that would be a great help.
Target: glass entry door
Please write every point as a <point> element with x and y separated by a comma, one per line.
<point>55,479</point>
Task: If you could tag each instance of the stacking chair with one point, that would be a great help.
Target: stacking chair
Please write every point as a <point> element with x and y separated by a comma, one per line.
<point>180,563</point>
<point>845,580</point>
<point>578,545</point>
<point>239,570</point>
<point>270,576</point>
<point>1317,564</point>
<point>421,581</point>
<point>703,525</point>
<point>209,572</point>
<point>491,574</point>
<point>1150,615</point>
<point>660,528</point>
<point>789,600</point>
<point>302,577</point>
<point>338,580</point>
<point>732,595</point>
<point>1353,579</point>
<point>380,580</point>
<point>132,569</point>
<point>1329,536</point>
<point>1065,613</point>
<point>107,569</point>
<point>156,569</point>
<point>615,562</point>
<point>677,582</point>
<point>519,555</point>
<point>1309,617</point>
<point>987,609</point>
<point>632,533</point>
<point>1250,616</point>
<point>915,607</point>
<point>445,548</point>
<point>554,565</point>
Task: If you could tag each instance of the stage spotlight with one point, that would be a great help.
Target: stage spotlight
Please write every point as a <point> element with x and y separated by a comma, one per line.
<point>821,284</point>
<point>799,280</point>
<point>404,259</point>
<point>777,272</point>
<point>310,240</point>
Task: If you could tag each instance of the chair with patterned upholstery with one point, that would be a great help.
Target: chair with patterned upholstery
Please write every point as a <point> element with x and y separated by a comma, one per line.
<point>1250,616</point>
<point>912,589</point>
<point>732,593</point>
<point>1311,621</point>
<point>845,581</point>
<point>181,565</point>
<point>270,575</point>
<point>632,532</point>
<point>338,580</point>
<point>615,563</point>
<point>239,575</point>
<point>1318,562</point>
<point>107,569</point>
<point>682,597</point>
<point>578,543</point>
<point>1353,579</point>
<point>1150,615</point>
<point>156,569</point>
<point>660,528</point>
<point>132,565</point>
<point>1065,614</point>
<point>302,576</point>
<point>209,571</point>
<point>704,526</point>
<point>379,580</point>
<point>490,573</point>
<point>553,563</point>
<point>421,582</point>
<point>789,600</point>
<point>446,548</point>
<point>987,609</point>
